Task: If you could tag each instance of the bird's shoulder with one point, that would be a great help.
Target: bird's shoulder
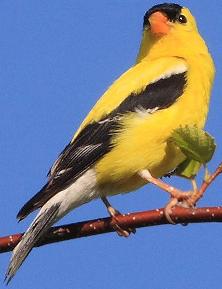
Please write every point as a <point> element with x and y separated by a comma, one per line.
<point>133,81</point>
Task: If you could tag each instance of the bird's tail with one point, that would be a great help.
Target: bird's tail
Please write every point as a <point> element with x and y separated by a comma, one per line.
<point>39,226</point>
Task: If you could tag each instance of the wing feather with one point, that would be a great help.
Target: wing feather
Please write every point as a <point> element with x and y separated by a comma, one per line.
<point>95,139</point>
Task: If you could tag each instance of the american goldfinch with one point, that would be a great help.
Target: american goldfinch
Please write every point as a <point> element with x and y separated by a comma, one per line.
<point>123,143</point>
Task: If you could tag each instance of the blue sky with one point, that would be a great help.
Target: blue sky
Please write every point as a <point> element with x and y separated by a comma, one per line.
<point>56,59</point>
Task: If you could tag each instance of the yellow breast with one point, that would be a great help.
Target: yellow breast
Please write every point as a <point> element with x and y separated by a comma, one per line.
<point>144,141</point>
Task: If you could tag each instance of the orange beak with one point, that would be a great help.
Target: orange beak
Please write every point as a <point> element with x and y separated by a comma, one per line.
<point>159,24</point>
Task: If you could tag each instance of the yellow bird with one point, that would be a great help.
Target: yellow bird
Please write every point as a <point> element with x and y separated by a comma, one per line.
<point>124,141</point>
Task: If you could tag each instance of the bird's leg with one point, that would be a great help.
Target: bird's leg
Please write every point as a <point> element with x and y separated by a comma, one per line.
<point>177,196</point>
<point>114,214</point>
<point>174,192</point>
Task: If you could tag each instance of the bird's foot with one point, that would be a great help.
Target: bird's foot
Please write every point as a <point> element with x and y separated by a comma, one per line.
<point>120,231</point>
<point>189,200</point>
<point>115,223</point>
<point>172,204</point>
<point>178,197</point>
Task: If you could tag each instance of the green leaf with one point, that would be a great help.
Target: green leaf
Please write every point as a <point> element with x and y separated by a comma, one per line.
<point>195,143</point>
<point>188,169</point>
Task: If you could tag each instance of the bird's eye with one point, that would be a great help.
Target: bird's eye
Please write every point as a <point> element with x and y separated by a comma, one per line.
<point>182,19</point>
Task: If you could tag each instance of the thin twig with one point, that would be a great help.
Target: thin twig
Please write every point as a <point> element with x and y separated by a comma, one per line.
<point>205,185</point>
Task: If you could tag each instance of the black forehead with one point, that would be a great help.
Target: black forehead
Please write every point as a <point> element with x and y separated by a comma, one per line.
<point>170,9</point>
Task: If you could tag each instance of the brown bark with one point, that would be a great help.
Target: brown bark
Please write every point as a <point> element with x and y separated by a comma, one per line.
<point>133,220</point>
<point>104,225</point>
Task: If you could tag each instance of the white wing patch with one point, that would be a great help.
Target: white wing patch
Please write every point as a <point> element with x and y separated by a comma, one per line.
<point>115,118</point>
<point>142,112</point>
<point>173,71</point>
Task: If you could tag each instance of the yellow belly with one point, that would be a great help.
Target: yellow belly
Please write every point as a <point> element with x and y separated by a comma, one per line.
<point>145,144</point>
<point>144,141</point>
<point>141,147</point>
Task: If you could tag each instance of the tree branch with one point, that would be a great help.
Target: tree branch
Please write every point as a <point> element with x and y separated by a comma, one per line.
<point>134,220</point>
<point>104,225</point>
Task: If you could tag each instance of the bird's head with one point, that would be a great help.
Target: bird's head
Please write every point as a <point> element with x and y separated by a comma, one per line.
<point>171,26</point>
<point>168,18</point>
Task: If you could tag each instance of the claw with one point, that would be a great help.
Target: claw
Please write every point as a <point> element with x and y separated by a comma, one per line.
<point>173,203</point>
<point>168,210</point>
<point>178,197</point>
<point>114,214</point>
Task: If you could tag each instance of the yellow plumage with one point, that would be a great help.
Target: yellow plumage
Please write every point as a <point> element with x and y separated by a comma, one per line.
<point>143,141</point>
<point>124,141</point>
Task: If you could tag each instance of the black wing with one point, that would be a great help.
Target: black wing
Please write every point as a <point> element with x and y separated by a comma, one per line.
<point>94,140</point>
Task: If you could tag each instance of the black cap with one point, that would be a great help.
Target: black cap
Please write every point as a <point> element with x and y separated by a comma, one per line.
<point>170,9</point>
